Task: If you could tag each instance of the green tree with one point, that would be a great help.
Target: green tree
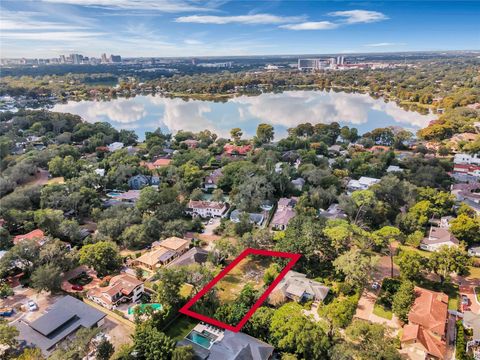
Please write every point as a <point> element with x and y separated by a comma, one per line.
<point>449,260</point>
<point>31,354</point>
<point>271,273</point>
<point>386,237</point>
<point>105,350</point>
<point>236,134</point>
<point>265,133</point>
<point>403,300</point>
<point>294,333</point>
<point>466,228</point>
<point>152,344</point>
<point>8,335</point>
<point>356,266</point>
<point>370,341</point>
<point>46,277</point>
<point>339,313</point>
<point>102,256</point>
<point>411,265</point>
<point>168,287</point>
<point>183,353</point>
<point>244,226</point>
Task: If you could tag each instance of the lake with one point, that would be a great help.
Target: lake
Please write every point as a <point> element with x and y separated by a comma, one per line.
<point>282,110</point>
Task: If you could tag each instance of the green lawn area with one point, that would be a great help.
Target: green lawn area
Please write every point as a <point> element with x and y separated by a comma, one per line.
<point>379,310</point>
<point>474,272</point>
<point>477,292</point>
<point>180,327</point>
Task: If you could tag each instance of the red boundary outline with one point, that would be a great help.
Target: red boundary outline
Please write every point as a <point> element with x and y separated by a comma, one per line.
<point>186,308</point>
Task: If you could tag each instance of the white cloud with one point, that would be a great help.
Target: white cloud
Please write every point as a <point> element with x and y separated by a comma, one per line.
<point>238,19</point>
<point>359,16</point>
<point>382,44</point>
<point>193,42</point>
<point>158,5</point>
<point>311,25</point>
<point>50,35</point>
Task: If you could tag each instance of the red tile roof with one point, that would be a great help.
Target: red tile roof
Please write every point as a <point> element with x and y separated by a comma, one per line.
<point>35,234</point>
<point>432,345</point>
<point>429,310</point>
<point>232,149</point>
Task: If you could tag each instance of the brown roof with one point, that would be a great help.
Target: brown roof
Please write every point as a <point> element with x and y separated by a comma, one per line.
<point>152,257</point>
<point>123,283</point>
<point>283,216</point>
<point>432,345</point>
<point>439,235</point>
<point>174,243</point>
<point>429,310</point>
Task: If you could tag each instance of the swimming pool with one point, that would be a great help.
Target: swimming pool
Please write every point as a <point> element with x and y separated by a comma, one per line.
<point>113,194</point>
<point>155,307</point>
<point>199,339</point>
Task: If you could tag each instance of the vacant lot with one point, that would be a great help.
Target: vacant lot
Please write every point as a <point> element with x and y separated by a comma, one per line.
<point>248,271</point>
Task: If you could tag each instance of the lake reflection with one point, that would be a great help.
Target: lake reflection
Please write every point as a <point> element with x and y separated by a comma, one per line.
<point>282,110</point>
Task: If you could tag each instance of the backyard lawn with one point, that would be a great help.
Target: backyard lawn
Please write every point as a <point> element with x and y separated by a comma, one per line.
<point>180,327</point>
<point>477,293</point>
<point>381,311</point>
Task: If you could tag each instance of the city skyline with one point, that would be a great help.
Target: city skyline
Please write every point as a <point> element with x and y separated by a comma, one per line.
<point>147,28</point>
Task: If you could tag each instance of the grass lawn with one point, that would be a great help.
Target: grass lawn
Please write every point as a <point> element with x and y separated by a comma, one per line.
<point>477,292</point>
<point>474,272</point>
<point>248,271</point>
<point>379,310</point>
<point>180,327</point>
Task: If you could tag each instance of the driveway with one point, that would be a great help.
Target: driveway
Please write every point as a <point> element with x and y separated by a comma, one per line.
<point>66,286</point>
<point>215,222</point>
<point>369,296</point>
<point>19,301</point>
<point>469,291</point>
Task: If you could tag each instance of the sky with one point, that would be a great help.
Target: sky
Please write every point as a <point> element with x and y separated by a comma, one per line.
<point>171,28</point>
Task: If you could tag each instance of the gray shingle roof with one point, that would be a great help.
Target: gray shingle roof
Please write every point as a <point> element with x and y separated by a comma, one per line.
<point>240,346</point>
<point>66,316</point>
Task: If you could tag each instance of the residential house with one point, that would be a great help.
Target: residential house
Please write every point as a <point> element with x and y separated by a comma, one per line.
<point>122,288</point>
<point>139,181</point>
<point>193,256</point>
<point>284,213</point>
<point>472,321</point>
<point>474,251</point>
<point>37,235</point>
<point>211,181</point>
<point>100,172</point>
<point>162,253</point>
<point>206,209</point>
<point>438,237</point>
<point>333,212</point>
<point>255,218</point>
<point>237,150</point>
<point>211,343</point>
<point>469,194</point>
<point>361,184</point>
<point>115,146</point>
<point>394,168</point>
<point>62,320</point>
<point>465,163</point>
<point>129,196</point>
<point>191,143</point>
<point>297,287</point>
<point>298,184</point>
<point>159,163</point>
<point>424,335</point>
<point>176,244</point>
<point>155,258</point>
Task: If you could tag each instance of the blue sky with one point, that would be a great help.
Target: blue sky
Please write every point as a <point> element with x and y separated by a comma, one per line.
<point>47,28</point>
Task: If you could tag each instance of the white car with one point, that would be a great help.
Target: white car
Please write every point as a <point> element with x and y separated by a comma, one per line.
<point>31,305</point>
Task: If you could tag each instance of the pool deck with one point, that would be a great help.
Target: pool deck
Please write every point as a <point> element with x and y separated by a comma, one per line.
<point>210,329</point>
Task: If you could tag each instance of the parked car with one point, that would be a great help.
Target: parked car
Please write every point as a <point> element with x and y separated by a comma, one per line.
<point>31,305</point>
<point>77,287</point>
<point>6,312</point>
<point>375,285</point>
<point>465,300</point>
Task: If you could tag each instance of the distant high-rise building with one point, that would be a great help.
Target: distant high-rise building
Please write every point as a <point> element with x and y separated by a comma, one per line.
<point>340,60</point>
<point>115,58</point>
<point>62,59</point>
<point>194,61</point>
<point>308,64</point>
<point>76,58</point>
<point>104,58</point>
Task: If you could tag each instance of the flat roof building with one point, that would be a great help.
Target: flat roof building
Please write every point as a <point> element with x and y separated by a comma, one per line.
<point>64,318</point>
